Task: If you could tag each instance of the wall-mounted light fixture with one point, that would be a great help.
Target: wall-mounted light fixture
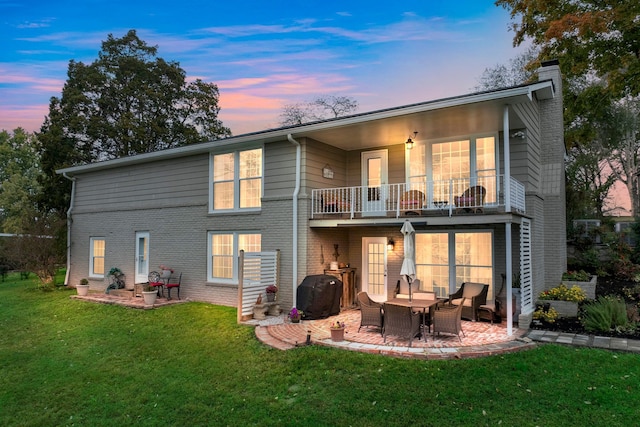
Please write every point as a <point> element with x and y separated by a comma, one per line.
<point>390,244</point>
<point>327,172</point>
<point>409,141</point>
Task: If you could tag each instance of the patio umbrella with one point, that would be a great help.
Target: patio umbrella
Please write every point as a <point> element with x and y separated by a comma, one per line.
<point>408,263</point>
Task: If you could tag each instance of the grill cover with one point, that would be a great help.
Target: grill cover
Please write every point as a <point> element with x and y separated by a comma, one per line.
<point>319,296</point>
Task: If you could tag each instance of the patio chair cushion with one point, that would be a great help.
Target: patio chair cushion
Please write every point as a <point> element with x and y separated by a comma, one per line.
<point>467,302</point>
<point>472,289</point>
<point>403,289</point>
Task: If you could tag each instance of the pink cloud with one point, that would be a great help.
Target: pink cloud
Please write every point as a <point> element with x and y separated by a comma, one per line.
<point>30,117</point>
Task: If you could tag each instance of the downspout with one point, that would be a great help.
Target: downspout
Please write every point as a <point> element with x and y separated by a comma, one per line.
<point>69,221</point>
<point>296,192</point>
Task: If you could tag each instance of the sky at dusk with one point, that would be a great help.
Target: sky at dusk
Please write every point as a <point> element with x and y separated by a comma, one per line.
<point>261,54</point>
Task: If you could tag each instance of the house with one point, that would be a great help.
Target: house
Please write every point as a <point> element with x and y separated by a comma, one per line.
<point>480,177</point>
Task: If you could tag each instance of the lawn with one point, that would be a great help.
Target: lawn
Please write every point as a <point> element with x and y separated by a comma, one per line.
<point>70,362</point>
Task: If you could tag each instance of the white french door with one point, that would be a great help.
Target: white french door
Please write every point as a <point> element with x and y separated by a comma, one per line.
<point>374,267</point>
<point>374,180</point>
<point>142,257</point>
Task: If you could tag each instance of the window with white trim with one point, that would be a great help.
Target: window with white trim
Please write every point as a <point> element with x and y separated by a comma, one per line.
<point>96,256</point>
<point>454,166</point>
<point>236,180</point>
<point>445,260</point>
<point>223,250</point>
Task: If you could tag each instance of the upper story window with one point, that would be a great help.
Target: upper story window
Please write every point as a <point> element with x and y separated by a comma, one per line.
<point>96,257</point>
<point>455,165</point>
<point>236,180</point>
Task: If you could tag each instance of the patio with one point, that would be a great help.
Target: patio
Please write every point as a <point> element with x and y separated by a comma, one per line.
<point>135,302</point>
<point>482,338</point>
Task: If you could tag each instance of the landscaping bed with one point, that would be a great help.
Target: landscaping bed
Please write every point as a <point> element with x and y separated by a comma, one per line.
<point>607,286</point>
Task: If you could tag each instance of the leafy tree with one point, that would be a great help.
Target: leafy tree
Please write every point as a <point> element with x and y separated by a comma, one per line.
<point>619,135</point>
<point>129,101</point>
<point>595,37</point>
<point>517,72</point>
<point>19,173</point>
<point>321,108</point>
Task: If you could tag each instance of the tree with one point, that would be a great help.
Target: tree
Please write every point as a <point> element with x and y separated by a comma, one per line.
<point>40,248</point>
<point>517,72</point>
<point>129,101</point>
<point>592,37</point>
<point>19,173</point>
<point>321,108</point>
<point>619,135</point>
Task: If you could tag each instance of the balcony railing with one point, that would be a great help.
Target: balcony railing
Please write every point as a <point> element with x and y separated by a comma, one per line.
<point>444,197</point>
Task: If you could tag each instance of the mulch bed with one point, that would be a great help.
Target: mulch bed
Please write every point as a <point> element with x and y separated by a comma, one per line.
<point>605,286</point>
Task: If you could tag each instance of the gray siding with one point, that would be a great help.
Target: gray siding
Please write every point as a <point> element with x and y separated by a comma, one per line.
<point>179,182</point>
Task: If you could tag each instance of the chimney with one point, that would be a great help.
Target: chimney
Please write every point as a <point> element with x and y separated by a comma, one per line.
<point>550,70</point>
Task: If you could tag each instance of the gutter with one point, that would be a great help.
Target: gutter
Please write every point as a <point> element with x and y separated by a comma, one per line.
<point>296,192</point>
<point>69,222</point>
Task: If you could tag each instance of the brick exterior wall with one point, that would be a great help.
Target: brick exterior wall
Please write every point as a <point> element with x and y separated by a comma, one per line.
<point>553,180</point>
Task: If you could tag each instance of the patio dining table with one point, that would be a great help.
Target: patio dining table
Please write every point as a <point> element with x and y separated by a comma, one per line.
<point>420,305</point>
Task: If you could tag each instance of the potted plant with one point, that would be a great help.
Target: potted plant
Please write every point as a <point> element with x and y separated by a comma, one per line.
<point>583,279</point>
<point>149,294</point>
<point>83,287</point>
<point>564,299</point>
<point>337,331</point>
<point>271,293</point>
<point>165,271</point>
<point>295,315</point>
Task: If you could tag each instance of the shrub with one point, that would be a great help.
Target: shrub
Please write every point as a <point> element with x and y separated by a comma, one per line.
<point>549,315</point>
<point>563,293</point>
<point>605,314</point>
<point>576,276</point>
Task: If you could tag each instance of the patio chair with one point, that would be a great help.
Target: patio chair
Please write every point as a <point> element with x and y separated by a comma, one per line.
<point>402,288</point>
<point>155,281</point>
<point>400,321</point>
<point>173,284</point>
<point>448,320</point>
<point>472,200</point>
<point>411,202</point>
<point>471,296</point>
<point>370,312</point>
<point>335,203</point>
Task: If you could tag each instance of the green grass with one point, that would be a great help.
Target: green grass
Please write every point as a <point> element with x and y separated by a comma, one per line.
<point>70,362</point>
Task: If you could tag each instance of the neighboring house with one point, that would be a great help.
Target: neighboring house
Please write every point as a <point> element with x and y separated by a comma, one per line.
<point>349,181</point>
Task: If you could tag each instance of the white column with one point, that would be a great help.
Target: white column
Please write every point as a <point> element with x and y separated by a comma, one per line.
<point>507,161</point>
<point>508,260</point>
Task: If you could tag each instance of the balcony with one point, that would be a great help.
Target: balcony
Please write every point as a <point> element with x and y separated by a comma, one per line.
<point>479,195</point>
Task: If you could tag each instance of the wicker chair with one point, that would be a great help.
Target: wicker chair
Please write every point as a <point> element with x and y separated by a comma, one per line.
<point>474,295</point>
<point>400,321</point>
<point>370,312</point>
<point>471,200</point>
<point>448,320</point>
<point>411,202</point>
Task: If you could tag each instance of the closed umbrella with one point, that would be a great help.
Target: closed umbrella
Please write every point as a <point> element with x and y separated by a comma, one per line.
<point>408,263</point>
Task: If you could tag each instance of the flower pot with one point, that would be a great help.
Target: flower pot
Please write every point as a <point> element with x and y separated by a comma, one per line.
<point>82,290</point>
<point>337,334</point>
<point>271,297</point>
<point>565,308</point>
<point>588,287</point>
<point>295,320</point>
<point>149,297</point>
